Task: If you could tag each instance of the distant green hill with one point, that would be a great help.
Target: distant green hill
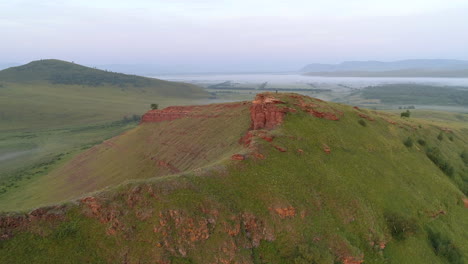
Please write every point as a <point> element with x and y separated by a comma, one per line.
<point>67,73</point>
<point>284,179</point>
<point>51,93</point>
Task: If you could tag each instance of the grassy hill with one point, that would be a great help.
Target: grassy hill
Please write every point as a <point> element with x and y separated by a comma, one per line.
<point>55,93</point>
<point>328,184</point>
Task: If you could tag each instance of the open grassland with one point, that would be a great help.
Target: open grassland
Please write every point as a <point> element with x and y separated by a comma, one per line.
<point>26,156</point>
<point>374,197</point>
<point>45,105</point>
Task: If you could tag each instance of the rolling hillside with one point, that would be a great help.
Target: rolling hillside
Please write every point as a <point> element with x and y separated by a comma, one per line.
<point>56,93</point>
<point>51,109</point>
<point>283,179</point>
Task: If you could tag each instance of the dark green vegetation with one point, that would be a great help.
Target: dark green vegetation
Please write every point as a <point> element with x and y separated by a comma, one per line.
<point>407,113</point>
<point>417,94</point>
<point>370,199</point>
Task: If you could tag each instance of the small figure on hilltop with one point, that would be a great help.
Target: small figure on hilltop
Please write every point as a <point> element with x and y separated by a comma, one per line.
<point>154,106</point>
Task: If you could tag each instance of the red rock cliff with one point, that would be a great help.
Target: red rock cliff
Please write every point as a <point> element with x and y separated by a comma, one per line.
<point>166,114</point>
<point>265,113</point>
<point>198,111</point>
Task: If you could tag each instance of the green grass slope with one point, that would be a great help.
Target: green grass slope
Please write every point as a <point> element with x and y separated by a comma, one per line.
<point>389,190</point>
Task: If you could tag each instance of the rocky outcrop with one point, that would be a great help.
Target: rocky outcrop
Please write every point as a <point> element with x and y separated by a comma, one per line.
<point>198,111</point>
<point>317,108</point>
<point>366,117</point>
<point>166,114</point>
<point>265,112</point>
<point>9,223</point>
<point>238,157</point>
<point>286,212</point>
<point>326,148</point>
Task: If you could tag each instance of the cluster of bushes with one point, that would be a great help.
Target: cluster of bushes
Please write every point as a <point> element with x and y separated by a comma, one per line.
<point>440,136</point>
<point>362,123</point>
<point>400,226</point>
<point>436,157</point>
<point>408,142</point>
<point>444,247</point>
<point>130,119</point>
<point>406,114</point>
<point>99,78</point>
<point>464,157</point>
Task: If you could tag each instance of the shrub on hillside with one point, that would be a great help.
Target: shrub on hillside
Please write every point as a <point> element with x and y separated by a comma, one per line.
<point>464,157</point>
<point>408,142</point>
<point>444,247</point>
<point>436,157</point>
<point>406,114</point>
<point>362,122</point>
<point>440,137</point>
<point>400,226</point>
<point>421,142</point>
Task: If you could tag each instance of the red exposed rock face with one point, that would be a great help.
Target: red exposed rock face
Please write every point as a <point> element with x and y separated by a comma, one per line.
<point>465,201</point>
<point>366,117</point>
<point>326,149</point>
<point>246,140</point>
<point>238,157</point>
<point>317,109</point>
<point>280,148</point>
<point>264,112</point>
<point>166,114</point>
<point>352,260</point>
<point>9,223</point>
<point>286,212</point>
<point>177,112</point>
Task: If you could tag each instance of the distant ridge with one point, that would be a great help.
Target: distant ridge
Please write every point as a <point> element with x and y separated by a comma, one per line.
<point>68,73</point>
<point>420,66</point>
<point>63,72</point>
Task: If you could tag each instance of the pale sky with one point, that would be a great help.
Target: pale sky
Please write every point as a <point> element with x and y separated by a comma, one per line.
<point>238,34</point>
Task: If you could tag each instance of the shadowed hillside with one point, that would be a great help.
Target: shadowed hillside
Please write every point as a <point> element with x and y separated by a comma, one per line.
<point>283,179</point>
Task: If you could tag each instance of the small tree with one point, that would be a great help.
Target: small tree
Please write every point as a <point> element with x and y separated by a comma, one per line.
<point>408,142</point>
<point>406,114</point>
<point>440,136</point>
<point>154,106</point>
